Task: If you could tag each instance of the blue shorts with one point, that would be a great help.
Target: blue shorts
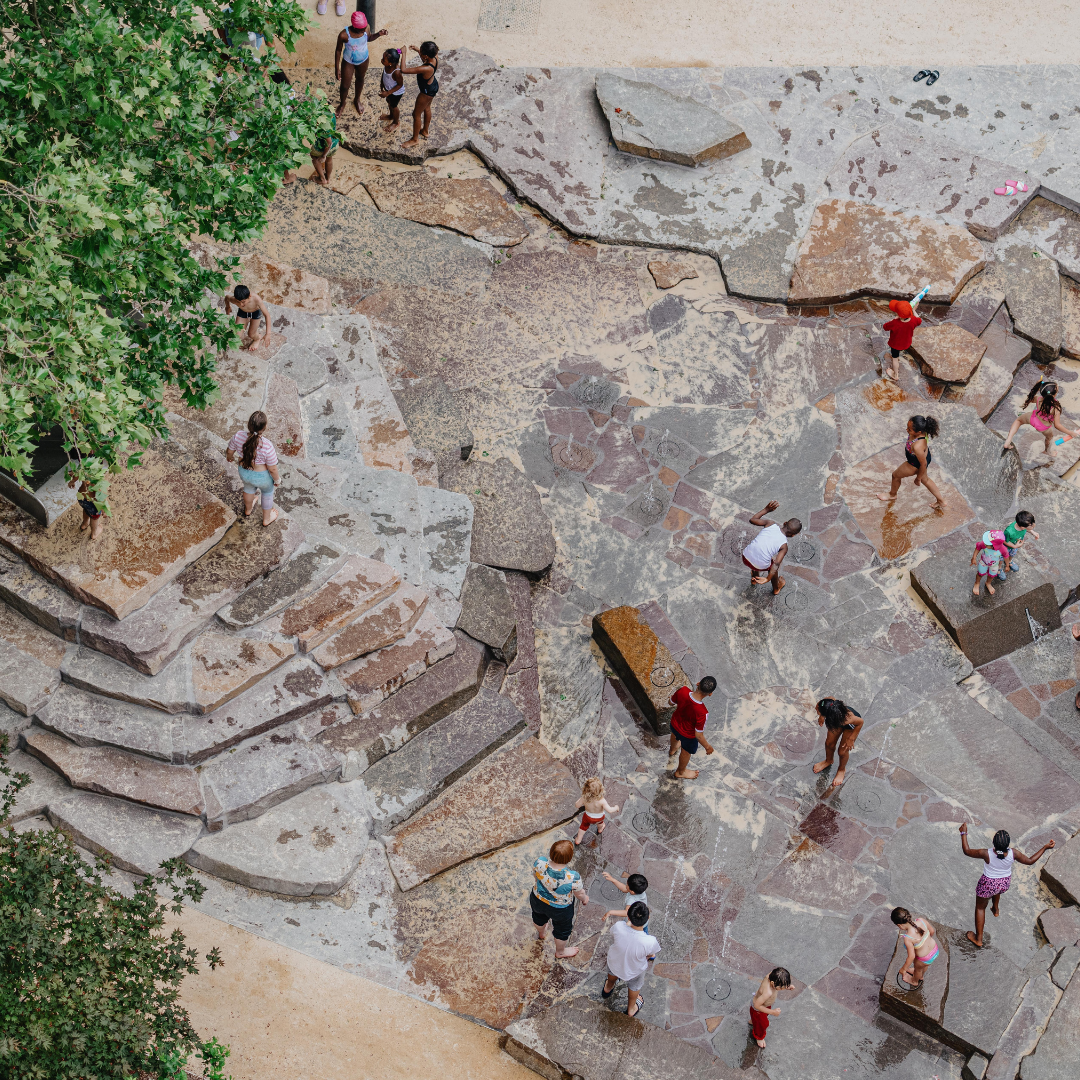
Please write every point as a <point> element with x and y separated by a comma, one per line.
<point>689,745</point>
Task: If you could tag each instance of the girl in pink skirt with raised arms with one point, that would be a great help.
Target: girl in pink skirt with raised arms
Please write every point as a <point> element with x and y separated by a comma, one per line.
<point>996,876</point>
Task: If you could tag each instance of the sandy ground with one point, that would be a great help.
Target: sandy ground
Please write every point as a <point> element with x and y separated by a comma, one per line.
<point>287,1016</point>
<point>691,33</point>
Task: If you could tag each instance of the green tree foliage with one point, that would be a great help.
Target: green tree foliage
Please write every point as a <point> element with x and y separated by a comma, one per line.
<point>126,129</point>
<point>89,981</point>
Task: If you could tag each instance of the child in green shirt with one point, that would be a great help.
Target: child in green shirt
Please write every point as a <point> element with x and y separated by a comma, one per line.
<point>1015,532</point>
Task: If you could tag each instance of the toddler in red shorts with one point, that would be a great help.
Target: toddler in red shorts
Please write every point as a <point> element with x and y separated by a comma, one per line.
<point>761,1008</point>
<point>595,807</point>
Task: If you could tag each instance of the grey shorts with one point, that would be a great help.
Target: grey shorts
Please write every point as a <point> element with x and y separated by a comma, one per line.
<point>636,983</point>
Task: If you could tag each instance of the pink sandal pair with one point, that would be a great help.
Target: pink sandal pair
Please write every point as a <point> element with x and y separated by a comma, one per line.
<point>1011,187</point>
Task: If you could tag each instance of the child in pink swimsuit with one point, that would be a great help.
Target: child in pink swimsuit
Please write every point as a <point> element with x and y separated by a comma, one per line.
<point>922,949</point>
<point>1044,417</point>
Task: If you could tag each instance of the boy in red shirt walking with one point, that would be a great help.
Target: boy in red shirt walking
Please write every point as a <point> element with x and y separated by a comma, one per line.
<point>688,724</point>
<point>900,331</point>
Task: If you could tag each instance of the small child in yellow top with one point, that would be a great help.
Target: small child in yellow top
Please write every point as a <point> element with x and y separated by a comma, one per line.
<point>595,807</point>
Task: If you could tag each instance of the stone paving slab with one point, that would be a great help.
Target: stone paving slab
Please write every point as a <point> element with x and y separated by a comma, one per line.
<point>391,501</point>
<point>37,598</point>
<point>108,771</point>
<point>134,838</point>
<point>472,206</point>
<point>488,613</point>
<point>652,122</point>
<point>303,496</point>
<point>442,688</point>
<point>260,773</point>
<point>947,352</point>
<point>223,666</point>
<point>852,249</point>
<point>241,375</point>
<point>169,690</point>
<point>45,785</point>
<point>1033,296</point>
<point>408,779</point>
<point>25,682</point>
<point>513,794</point>
<point>447,540</point>
<point>285,426</point>
<point>1025,1029</point>
<point>149,638</point>
<point>373,678</point>
<point>434,417</point>
<point>359,585</point>
<point>1061,871</point>
<point>378,627</point>
<point>1054,1058</point>
<point>307,845</point>
<point>148,543</point>
<point>1061,926</point>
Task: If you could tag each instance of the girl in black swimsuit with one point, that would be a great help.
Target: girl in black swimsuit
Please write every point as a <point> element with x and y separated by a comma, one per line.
<point>427,86</point>
<point>843,724</point>
<point>921,429</point>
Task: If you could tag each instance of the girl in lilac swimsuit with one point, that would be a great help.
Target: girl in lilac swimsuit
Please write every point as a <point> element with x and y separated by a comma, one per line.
<point>1044,417</point>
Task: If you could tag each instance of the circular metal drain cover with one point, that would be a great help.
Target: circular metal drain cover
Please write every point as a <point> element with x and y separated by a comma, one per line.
<point>593,392</point>
<point>718,989</point>
<point>798,742</point>
<point>645,822</point>
<point>571,456</point>
<point>661,676</point>
<point>675,939</point>
<point>651,504</point>
<point>666,449</point>
<point>796,601</point>
<point>869,801</point>
<point>803,552</point>
<point>611,893</point>
<point>738,543</point>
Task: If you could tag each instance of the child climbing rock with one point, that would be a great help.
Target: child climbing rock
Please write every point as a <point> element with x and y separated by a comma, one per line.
<point>900,331</point>
<point>991,556</point>
<point>1016,533</point>
<point>1044,417</point>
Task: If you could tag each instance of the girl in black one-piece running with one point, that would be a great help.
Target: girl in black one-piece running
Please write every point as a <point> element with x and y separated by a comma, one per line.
<point>427,86</point>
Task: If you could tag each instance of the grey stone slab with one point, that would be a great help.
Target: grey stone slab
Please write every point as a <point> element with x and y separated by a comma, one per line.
<point>255,775</point>
<point>45,786</point>
<point>391,500</point>
<point>1033,296</point>
<point>169,690</point>
<point>440,690</point>
<point>1052,229</point>
<point>510,529</point>
<point>1054,1058</point>
<point>308,845</point>
<point>786,460</point>
<point>93,720</point>
<point>328,433</point>
<point>596,393</point>
<point>712,429</point>
<point>435,418</point>
<point>404,781</point>
<point>1061,925</point>
<point>302,364</point>
<point>653,122</point>
<point>583,1037</point>
<point>447,524</point>
<point>134,838</point>
<point>985,626</point>
<point>37,598</point>
<point>292,691</point>
<point>11,723</point>
<point>1055,505</point>
<point>309,567</point>
<point>1064,968</point>
<point>303,495</point>
<point>487,611</point>
<point>25,682</point>
<point>1025,1029</point>
<point>1061,872</point>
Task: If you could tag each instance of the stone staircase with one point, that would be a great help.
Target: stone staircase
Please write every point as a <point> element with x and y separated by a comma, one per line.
<point>206,686</point>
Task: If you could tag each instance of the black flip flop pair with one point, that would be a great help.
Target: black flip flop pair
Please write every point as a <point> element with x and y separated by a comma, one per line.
<point>931,77</point>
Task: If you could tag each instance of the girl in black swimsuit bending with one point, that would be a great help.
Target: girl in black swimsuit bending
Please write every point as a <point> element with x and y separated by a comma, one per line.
<point>427,86</point>
<point>843,724</point>
<point>917,451</point>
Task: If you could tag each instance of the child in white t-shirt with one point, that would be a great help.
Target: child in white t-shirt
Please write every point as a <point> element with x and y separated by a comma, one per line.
<point>628,956</point>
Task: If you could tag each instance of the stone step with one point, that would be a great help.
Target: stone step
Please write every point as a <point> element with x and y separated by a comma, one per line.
<point>1061,872</point>
<point>45,785</point>
<point>255,775</point>
<point>38,599</point>
<point>308,845</point>
<point>303,494</point>
<point>224,666</point>
<point>585,1038</point>
<point>384,624</point>
<point>447,518</point>
<point>488,613</point>
<point>149,638</point>
<point>373,678</point>
<point>442,688</point>
<point>380,431</point>
<point>391,501</point>
<point>359,585</point>
<point>135,838</point>
<point>328,432</point>
<point>26,683</point>
<point>1025,1028</point>
<point>169,690</point>
<point>1054,1058</point>
<point>514,794</point>
<point>406,780</point>
<point>293,690</point>
<point>435,418</point>
<point>162,522</point>
<point>308,569</point>
<point>108,771</point>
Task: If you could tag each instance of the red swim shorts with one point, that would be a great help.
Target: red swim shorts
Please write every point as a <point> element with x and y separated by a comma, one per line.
<point>586,820</point>
<point>759,1021</point>
<point>757,572</point>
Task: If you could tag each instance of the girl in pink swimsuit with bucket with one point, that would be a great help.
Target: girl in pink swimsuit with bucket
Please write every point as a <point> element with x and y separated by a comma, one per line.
<point>1044,417</point>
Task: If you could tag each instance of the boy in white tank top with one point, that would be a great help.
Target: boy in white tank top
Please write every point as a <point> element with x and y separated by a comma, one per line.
<point>764,554</point>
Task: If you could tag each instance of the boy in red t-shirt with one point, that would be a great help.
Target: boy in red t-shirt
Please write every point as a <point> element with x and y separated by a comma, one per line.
<point>900,331</point>
<point>688,724</point>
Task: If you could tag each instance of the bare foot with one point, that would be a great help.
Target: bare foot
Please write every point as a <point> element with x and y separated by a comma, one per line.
<point>821,766</point>
<point>780,583</point>
<point>1008,446</point>
<point>839,779</point>
<point>886,498</point>
<point>761,1043</point>
<point>974,941</point>
<point>975,590</point>
<point>994,908</point>
<point>572,951</point>
<point>358,107</point>
<point>580,836</point>
<point>410,142</point>
<point>542,933</point>
<point>273,517</point>
<point>1076,631</point>
<point>600,828</point>
<point>690,774</point>
<point>757,580</point>
<point>86,525</point>
<point>990,588</point>
<point>423,134</point>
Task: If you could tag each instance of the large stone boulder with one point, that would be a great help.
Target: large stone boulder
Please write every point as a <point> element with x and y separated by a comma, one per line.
<point>652,122</point>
